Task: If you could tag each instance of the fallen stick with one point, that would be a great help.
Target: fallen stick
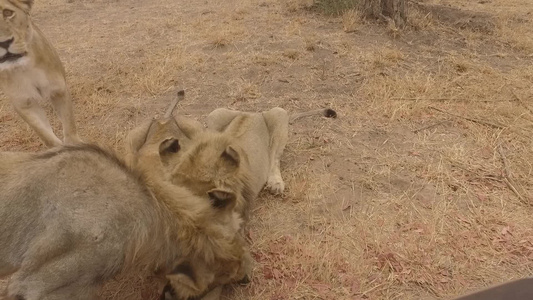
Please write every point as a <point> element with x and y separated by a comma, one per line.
<point>482,122</point>
<point>429,126</point>
<point>507,176</point>
<point>521,101</point>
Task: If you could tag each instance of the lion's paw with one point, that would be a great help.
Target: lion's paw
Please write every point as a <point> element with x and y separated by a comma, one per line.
<point>275,185</point>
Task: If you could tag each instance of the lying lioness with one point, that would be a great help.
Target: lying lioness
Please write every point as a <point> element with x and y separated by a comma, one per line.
<point>75,216</point>
<point>253,141</point>
<point>30,70</point>
<point>262,136</point>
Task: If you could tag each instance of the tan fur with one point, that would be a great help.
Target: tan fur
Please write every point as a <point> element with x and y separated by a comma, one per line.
<point>239,153</point>
<point>37,74</point>
<point>261,139</point>
<point>73,217</point>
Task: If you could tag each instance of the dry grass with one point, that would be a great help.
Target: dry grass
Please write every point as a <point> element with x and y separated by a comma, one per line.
<point>336,7</point>
<point>351,20</point>
<point>405,196</point>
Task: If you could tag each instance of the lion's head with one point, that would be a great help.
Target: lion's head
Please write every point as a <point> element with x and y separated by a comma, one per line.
<point>15,31</point>
<point>160,146</point>
<point>212,164</point>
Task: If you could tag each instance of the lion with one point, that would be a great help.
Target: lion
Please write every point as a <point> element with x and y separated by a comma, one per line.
<point>73,217</point>
<point>30,71</point>
<point>194,277</point>
<point>238,153</point>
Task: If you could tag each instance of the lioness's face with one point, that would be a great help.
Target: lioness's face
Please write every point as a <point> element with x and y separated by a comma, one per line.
<point>14,31</point>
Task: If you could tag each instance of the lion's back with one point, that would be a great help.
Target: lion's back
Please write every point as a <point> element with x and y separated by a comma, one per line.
<point>80,192</point>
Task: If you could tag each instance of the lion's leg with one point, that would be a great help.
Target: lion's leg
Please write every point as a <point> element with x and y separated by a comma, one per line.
<point>220,118</point>
<point>66,277</point>
<point>57,267</point>
<point>62,103</point>
<point>277,121</point>
<point>31,112</point>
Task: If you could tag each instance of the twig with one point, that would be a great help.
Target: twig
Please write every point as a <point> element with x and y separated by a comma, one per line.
<point>482,122</point>
<point>448,99</point>
<point>521,101</point>
<point>422,99</point>
<point>507,178</point>
<point>429,126</point>
<point>505,162</point>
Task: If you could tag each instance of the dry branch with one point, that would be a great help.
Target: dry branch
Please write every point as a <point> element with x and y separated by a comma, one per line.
<point>507,176</point>
<point>521,101</point>
<point>482,122</point>
<point>429,126</point>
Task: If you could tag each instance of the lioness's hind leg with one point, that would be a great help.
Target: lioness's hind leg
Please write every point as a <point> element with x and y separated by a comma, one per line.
<point>62,104</point>
<point>31,112</point>
<point>277,121</point>
<point>220,118</point>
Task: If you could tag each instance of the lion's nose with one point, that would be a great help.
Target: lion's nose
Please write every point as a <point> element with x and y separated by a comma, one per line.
<point>6,44</point>
<point>245,280</point>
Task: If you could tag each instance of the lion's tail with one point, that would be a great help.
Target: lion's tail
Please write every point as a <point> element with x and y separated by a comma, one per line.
<point>326,112</point>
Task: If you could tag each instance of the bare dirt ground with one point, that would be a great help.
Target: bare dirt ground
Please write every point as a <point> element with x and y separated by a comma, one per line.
<point>421,189</point>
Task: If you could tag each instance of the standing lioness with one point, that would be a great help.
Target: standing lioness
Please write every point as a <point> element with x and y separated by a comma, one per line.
<point>30,70</point>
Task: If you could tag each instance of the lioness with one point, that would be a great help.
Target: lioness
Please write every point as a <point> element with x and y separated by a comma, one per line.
<point>74,216</point>
<point>254,141</point>
<point>30,70</point>
<point>238,153</point>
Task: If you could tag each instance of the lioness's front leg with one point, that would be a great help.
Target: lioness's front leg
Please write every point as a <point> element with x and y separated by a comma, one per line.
<point>62,103</point>
<point>277,121</point>
<point>31,112</point>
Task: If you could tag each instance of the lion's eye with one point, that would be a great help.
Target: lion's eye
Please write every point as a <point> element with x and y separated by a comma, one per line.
<point>8,13</point>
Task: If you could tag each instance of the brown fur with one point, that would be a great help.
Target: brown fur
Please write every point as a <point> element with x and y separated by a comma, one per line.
<point>73,217</point>
<point>146,146</point>
<point>34,73</point>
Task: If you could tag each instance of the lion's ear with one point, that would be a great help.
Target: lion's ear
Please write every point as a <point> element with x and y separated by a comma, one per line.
<point>189,127</point>
<point>136,138</point>
<point>222,199</point>
<point>169,146</point>
<point>27,3</point>
<point>232,156</point>
<point>182,275</point>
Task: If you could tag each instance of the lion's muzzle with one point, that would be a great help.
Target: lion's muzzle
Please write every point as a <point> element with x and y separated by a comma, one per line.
<point>5,55</point>
<point>10,57</point>
<point>5,44</point>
